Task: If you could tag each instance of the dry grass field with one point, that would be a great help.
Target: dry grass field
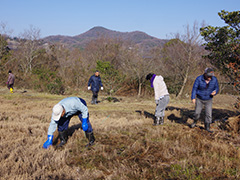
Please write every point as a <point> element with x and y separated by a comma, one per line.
<point>127,146</point>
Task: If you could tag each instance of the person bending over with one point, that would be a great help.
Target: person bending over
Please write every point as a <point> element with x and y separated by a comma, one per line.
<point>62,113</point>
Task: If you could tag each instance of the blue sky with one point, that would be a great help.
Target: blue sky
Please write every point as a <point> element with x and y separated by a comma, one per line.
<point>158,18</point>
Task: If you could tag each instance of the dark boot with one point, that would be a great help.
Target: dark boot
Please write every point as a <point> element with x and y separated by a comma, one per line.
<point>63,138</point>
<point>93,100</point>
<point>194,124</point>
<point>161,120</point>
<point>207,127</point>
<point>90,137</point>
<point>156,121</point>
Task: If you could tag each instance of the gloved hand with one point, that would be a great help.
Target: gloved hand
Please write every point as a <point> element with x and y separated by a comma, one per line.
<point>157,102</point>
<point>101,88</point>
<point>89,87</point>
<point>84,124</point>
<point>48,142</point>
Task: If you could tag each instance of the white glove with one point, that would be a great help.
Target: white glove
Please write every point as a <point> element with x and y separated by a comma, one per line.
<point>89,88</point>
<point>101,88</point>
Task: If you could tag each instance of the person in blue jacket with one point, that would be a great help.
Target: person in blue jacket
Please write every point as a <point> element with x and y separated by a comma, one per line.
<point>94,83</point>
<point>61,116</point>
<point>204,89</point>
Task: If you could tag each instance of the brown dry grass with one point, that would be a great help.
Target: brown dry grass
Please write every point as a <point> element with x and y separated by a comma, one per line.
<point>127,145</point>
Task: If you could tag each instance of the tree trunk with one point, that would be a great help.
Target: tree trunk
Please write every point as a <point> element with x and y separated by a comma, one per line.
<point>184,82</point>
<point>139,89</point>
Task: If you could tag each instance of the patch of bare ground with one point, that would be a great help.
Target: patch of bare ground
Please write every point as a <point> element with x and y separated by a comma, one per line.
<point>127,145</point>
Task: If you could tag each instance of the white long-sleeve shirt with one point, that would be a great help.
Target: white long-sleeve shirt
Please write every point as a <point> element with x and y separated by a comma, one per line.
<point>160,88</point>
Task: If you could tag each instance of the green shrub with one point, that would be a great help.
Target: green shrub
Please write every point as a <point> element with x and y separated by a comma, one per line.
<point>48,81</point>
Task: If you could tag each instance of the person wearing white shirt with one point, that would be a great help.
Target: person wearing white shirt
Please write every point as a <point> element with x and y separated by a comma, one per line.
<point>161,97</point>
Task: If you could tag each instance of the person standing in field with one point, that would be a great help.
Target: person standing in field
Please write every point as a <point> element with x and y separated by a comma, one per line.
<point>161,97</point>
<point>61,116</point>
<point>10,82</point>
<point>204,89</point>
<point>94,83</point>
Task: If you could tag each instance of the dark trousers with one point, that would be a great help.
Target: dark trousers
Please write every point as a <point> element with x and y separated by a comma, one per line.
<point>94,96</point>
<point>208,109</point>
<point>63,122</point>
<point>9,86</point>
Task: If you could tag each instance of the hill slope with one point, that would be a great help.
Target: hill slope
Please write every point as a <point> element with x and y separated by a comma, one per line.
<point>80,41</point>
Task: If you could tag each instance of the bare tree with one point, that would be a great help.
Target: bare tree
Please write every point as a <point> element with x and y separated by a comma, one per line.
<point>183,54</point>
<point>105,55</point>
<point>137,64</point>
<point>4,30</point>
<point>5,53</point>
<point>3,47</point>
<point>71,67</point>
<point>4,33</point>
<point>103,49</point>
<point>28,51</point>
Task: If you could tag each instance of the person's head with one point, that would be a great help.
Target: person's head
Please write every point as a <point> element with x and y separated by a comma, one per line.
<point>208,73</point>
<point>57,112</point>
<point>97,73</point>
<point>149,76</point>
<point>9,71</point>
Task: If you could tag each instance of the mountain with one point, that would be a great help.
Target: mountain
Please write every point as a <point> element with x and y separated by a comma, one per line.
<point>80,41</point>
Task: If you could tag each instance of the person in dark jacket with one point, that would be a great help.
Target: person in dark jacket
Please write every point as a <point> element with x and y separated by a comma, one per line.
<point>10,82</point>
<point>62,113</point>
<point>204,89</point>
<point>94,84</point>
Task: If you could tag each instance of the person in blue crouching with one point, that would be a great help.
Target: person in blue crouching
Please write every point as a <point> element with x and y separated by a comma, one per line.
<point>61,116</point>
<point>94,83</point>
<point>204,89</point>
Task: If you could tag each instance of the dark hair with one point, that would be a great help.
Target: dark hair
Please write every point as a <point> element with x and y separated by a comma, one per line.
<point>149,76</point>
<point>9,71</point>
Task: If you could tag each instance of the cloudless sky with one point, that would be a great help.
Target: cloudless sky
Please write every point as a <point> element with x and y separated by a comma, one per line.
<point>158,18</point>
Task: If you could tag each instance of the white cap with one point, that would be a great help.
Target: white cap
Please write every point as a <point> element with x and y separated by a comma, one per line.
<point>57,112</point>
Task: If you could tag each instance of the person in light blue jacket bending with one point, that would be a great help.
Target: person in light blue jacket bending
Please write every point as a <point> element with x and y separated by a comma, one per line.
<point>204,89</point>
<point>61,116</point>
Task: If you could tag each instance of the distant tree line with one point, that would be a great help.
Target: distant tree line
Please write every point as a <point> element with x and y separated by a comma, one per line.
<point>123,66</point>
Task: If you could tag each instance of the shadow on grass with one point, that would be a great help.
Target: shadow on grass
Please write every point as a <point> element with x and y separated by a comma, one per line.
<point>69,132</point>
<point>185,114</point>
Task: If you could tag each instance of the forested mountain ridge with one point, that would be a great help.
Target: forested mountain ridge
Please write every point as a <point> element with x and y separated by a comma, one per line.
<point>80,41</point>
